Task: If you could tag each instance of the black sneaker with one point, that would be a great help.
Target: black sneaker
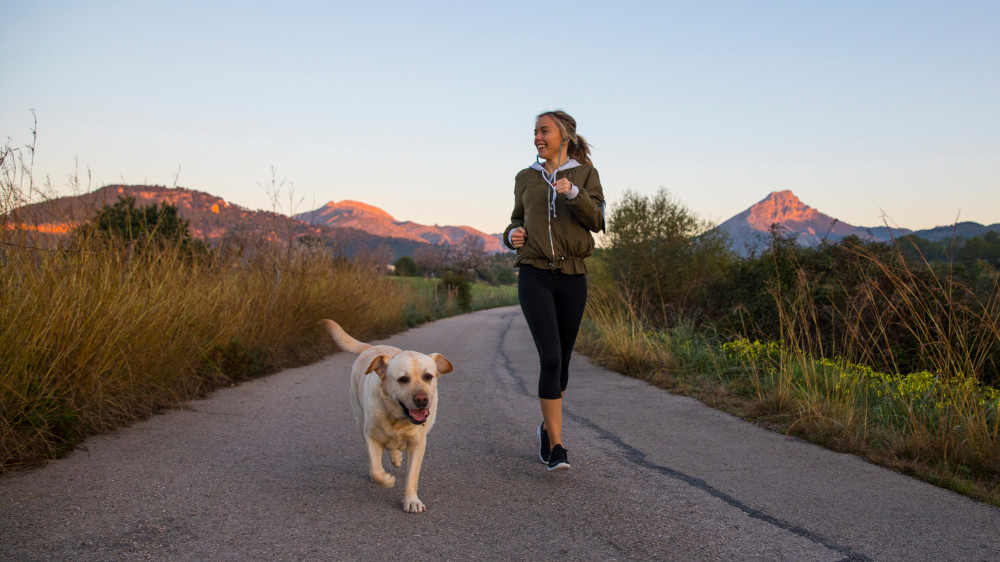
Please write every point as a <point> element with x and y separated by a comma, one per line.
<point>543,444</point>
<point>557,459</point>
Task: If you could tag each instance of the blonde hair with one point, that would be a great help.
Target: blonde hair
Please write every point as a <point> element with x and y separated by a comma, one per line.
<point>577,148</point>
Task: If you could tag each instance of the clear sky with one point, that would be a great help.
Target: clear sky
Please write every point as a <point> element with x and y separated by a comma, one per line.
<point>426,109</point>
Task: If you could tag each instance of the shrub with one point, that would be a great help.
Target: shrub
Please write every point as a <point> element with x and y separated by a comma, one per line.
<point>144,228</point>
<point>865,302</point>
<point>406,267</point>
<point>663,254</point>
<point>457,286</point>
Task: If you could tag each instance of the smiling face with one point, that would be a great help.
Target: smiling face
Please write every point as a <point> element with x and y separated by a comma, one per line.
<point>549,139</point>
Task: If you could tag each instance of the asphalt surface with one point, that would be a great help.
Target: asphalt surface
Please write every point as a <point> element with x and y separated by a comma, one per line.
<point>275,470</point>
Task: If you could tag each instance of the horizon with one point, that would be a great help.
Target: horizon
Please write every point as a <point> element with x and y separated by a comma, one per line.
<point>401,220</point>
<point>868,113</point>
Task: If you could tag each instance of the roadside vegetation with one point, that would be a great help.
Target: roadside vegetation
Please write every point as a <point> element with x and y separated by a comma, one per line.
<point>127,315</point>
<point>866,348</point>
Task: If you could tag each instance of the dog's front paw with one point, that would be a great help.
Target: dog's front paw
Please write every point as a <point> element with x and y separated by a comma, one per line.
<point>413,505</point>
<point>384,479</point>
<point>396,457</point>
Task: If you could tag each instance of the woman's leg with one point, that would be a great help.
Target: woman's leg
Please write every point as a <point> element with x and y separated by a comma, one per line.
<point>571,301</point>
<point>553,306</point>
<point>536,294</point>
<point>552,414</point>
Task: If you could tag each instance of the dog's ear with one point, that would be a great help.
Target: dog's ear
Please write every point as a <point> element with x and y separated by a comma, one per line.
<point>443,365</point>
<point>380,365</point>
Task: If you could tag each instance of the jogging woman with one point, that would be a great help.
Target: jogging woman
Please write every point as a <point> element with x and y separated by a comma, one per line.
<point>558,202</point>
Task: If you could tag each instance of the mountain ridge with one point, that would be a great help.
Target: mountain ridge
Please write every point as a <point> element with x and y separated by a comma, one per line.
<point>211,218</point>
<point>356,226</point>
<point>374,220</point>
<point>749,230</point>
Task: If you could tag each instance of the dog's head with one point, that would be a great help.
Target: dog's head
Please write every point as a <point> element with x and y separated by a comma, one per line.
<point>410,379</point>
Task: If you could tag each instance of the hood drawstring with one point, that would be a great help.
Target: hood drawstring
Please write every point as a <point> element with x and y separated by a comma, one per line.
<point>551,178</point>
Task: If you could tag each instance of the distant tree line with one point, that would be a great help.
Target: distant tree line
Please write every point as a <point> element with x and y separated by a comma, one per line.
<point>965,252</point>
<point>154,227</point>
<point>467,258</point>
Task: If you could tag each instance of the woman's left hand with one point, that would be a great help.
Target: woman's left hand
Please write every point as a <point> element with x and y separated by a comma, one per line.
<point>562,186</point>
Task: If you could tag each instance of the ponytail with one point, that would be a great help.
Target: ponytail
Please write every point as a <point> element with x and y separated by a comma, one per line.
<point>579,150</point>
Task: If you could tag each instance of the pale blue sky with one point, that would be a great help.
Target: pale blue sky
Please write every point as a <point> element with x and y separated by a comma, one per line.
<point>425,109</point>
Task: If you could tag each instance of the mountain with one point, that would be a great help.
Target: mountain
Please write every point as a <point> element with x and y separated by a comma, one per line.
<point>958,230</point>
<point>376,221</point>
<point>213,219</point>
<point>750,230</point>
<point>209,215</point>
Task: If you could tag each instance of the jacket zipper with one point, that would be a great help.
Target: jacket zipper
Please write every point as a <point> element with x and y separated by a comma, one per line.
<point>552,244</point>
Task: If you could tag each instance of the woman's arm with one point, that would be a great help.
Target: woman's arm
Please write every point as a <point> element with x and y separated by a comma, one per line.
<point>588,205</point>
<point>516,220</point>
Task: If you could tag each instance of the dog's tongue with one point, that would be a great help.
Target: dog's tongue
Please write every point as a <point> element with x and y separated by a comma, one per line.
<point>420,415</point>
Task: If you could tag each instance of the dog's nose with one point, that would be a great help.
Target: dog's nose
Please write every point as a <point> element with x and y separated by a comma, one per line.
<point>421,399</point>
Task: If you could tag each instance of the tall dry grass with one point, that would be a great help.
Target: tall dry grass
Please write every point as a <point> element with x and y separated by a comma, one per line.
<point>941,417</point>
<point>93,337</point>
<point>941,423</point>
<point>96,333</point>
<point>616,335</point>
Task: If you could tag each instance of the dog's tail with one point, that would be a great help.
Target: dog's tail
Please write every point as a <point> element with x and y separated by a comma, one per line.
<point>345,341</point>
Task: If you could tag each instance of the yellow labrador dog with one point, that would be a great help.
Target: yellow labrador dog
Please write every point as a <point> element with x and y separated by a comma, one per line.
<point>394,395</point>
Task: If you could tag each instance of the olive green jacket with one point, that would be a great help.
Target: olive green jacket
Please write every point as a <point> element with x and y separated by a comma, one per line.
<point>558,235</point>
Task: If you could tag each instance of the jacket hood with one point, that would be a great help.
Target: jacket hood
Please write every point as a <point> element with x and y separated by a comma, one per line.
<point>571,163</point>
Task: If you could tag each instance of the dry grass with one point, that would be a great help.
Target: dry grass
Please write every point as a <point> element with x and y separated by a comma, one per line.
<point>616,336</point>
<point>96,333</point>
<point>941,416</point>
<point>95,337</point>
<point>942,428</point>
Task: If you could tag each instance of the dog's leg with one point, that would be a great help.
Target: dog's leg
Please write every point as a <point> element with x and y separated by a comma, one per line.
<point>414,458</point>
<point>376,471</point>
<point>396,456</point>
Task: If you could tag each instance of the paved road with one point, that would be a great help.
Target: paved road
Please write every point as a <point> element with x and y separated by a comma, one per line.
<point>274,470</point>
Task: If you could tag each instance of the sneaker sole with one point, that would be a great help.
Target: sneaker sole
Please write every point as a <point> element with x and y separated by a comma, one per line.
<point>560,467</point>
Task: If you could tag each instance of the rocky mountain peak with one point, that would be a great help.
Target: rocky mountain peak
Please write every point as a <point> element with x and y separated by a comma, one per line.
<point>781,207</point>
<point>352,209</point>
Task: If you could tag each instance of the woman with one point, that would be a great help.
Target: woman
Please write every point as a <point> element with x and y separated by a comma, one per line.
<point>557,204</point>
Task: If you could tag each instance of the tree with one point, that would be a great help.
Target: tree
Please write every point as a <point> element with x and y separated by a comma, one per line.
<point>468,255</point>
<point>662,253</point>
<point>377,257</point>
<point>406,267</point>
<point>985,248</point>
<point>430,258</point>
<point>147,227</point>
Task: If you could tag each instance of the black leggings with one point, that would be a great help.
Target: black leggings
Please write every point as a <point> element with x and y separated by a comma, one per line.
<point>553,305</point>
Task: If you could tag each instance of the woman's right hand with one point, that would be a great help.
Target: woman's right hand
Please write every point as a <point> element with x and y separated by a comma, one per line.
<point>518,236</point>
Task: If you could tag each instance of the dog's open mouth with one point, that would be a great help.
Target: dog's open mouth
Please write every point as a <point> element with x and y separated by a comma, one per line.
<point>416,416</point>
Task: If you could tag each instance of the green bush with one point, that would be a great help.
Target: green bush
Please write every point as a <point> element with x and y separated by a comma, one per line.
<point>662,255</point>
<point>144,228</point>
<point>458,286</point>
<point>866,302</point>
<point>406,267</point>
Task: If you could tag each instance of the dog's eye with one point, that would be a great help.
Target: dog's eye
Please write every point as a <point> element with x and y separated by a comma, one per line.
<point>403,380</point>
<point>428,377</point>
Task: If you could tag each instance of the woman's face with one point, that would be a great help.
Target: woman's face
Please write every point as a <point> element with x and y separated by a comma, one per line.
<point>548,139</point>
